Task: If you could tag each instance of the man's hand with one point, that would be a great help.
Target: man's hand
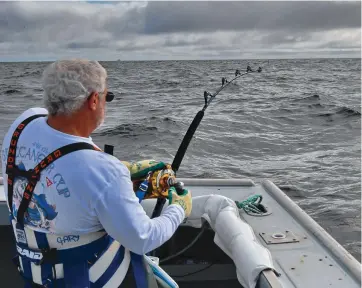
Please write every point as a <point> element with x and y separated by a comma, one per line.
<point>184,200</point>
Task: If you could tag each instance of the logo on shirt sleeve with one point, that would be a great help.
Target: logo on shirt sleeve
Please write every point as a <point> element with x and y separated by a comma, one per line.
<point>49,183</point>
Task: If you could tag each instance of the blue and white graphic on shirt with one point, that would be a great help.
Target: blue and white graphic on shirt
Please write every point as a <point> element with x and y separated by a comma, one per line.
<point>39,213</point>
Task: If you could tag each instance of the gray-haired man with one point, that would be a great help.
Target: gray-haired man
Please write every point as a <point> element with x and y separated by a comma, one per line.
<point>75,216</point>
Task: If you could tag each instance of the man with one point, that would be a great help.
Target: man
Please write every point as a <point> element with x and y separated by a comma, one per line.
<point>77,199</point>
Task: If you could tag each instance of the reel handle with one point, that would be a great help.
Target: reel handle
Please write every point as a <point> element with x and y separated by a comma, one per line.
<point>179,186</point>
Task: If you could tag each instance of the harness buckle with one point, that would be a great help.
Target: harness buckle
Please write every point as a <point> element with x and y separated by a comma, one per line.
<point>143,186</point>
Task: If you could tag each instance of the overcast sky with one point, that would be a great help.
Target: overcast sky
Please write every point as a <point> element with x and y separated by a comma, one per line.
<point>179,30</point>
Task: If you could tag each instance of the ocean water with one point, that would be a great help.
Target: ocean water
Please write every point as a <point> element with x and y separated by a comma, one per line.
<point>297,123</point>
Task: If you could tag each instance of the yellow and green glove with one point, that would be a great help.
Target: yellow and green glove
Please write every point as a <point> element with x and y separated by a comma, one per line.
<point>140,169</point>
<point>184,199</point>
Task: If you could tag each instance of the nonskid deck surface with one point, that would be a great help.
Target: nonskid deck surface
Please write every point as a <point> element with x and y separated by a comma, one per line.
<point>303,260</point>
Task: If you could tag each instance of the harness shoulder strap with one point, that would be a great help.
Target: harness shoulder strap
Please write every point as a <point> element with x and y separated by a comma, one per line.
<point>33,175</point>
<point>11,157</point>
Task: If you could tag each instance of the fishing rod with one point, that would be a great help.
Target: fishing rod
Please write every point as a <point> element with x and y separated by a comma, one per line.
<point>195,123</point>
<point>191,131</point>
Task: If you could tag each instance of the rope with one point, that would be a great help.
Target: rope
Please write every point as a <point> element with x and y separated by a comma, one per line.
<point>251,204</point>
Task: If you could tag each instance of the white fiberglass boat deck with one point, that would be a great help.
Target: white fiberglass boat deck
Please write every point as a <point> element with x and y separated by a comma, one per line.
<point>287,239</point>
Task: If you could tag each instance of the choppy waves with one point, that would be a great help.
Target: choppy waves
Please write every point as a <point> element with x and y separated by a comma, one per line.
<point>297,123</point>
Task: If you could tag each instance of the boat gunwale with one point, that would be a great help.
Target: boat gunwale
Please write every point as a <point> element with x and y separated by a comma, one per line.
<point>336,249</point>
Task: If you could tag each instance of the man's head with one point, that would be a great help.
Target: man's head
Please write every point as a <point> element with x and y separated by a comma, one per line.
<point>76,88</point>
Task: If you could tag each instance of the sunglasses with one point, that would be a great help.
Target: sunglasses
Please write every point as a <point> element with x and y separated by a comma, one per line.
<point>109,96</point>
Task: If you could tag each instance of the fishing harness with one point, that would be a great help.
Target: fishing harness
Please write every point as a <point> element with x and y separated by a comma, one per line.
<point>39,265</point>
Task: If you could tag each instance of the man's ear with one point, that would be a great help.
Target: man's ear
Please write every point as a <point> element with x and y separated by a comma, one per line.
<point>93,101</point>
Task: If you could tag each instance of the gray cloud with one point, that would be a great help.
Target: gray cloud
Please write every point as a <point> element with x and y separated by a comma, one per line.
<point>85,45</point>
<point>166,30</point>
<point>239,16</point>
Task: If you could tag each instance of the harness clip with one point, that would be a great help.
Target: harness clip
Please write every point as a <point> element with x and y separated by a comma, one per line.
<point>144,186</point>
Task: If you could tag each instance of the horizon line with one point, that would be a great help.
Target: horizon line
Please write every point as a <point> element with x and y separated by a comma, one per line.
<point>214,59</point>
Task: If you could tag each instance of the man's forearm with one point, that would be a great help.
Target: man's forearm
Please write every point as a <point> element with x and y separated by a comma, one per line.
<point>159,230</point>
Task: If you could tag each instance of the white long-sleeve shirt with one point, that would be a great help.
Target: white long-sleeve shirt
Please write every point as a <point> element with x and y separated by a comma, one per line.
<point>84,191</point>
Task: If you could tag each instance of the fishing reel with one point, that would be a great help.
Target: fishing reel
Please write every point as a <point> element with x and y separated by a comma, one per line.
<point>159,182</point>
